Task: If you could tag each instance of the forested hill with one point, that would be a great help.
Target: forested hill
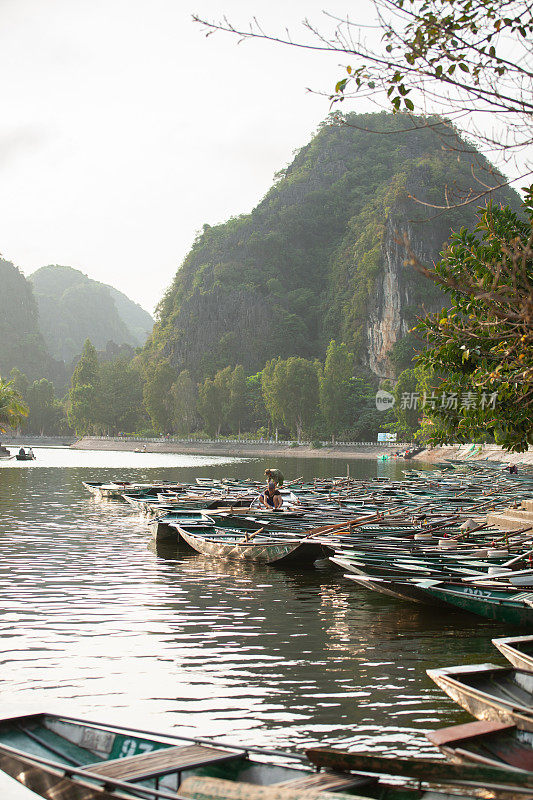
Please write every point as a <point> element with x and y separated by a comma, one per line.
<point>22,345</point>
<point>318,258</point>
<point>73,307</point>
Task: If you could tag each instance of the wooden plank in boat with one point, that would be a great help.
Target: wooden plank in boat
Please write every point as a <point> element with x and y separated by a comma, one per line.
<point>327,781</point>
<point>459,733</point>
<point>199,787</point>
<point>161,762</point>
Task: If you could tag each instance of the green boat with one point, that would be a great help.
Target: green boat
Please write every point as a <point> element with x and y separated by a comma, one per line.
<point>500,605</point>
<point>66,758</point>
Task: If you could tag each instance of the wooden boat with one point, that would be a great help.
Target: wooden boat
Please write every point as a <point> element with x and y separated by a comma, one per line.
<point>165,527</point>
<point>25,456</point>
<point>115,489</point>
<point>517,649</point>
<point>65,758</point>
<point>225,543</point>
<point>492,781</point>
<point>489,692</point>
<point>485,742</point>
<point>501,605</point>
<point>402,590</point>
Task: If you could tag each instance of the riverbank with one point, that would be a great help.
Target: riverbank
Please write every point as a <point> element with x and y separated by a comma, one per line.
<point>464,452</point>
<point>475,452</point>
<point>33,440</point>
<point>235,448</point>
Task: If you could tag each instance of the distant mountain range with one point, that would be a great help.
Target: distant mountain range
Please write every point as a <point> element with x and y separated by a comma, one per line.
<point>73,307</point>
<point>22,344</point>
<point>45,319</point>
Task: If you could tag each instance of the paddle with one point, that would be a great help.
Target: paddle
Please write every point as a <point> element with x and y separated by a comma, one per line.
<point>343,526</point>
<point>428,771</point>
<point>517,558</point>
<point>248,536</point>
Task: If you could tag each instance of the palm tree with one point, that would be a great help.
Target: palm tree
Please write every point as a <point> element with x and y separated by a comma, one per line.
<point>12,407</point>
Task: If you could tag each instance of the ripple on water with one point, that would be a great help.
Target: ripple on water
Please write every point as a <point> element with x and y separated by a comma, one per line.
<point>94,622</point>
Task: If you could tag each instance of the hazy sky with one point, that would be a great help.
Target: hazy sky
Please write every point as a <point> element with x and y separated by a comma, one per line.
<point>124,129</point>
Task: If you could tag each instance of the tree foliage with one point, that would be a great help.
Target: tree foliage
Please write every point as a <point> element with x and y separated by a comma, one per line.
<point>13,410</point>
<point>211,405</point>
<point>157,394</point>
<point>84,408</point>
<point>184,403</point>
<point>291,392</point>
<point>483,345</point>
<point>121,396</point>
<point>335,385</point>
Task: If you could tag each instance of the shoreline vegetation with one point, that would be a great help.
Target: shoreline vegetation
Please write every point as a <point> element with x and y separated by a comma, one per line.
<point>464,452</point>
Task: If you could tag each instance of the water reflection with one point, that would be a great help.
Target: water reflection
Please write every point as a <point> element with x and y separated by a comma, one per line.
<point>98,620</point>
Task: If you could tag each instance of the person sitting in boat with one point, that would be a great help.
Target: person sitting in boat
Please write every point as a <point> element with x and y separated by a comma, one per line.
<point>271,497</point>
<point>30,453</point>
<point>22,452</point>
<point>276,476</point>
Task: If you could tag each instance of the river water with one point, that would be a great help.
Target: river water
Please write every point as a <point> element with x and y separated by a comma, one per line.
<point>96,621</point>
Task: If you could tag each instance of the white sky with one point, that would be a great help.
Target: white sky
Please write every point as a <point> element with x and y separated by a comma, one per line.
<point>123,129</point>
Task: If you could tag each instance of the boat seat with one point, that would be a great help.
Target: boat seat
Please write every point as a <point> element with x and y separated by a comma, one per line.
<point>328,781</point>
<point>198,787</point>
<point>161,762</point>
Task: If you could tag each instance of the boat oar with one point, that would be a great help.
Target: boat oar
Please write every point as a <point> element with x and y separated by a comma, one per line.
<point>517,558</point>
<point>443,772</point>
<point>291,483</point>
<point>249,536</point>
<point>344,526</point>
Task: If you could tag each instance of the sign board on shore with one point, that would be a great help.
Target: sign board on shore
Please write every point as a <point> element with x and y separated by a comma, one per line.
<point>387,437</point>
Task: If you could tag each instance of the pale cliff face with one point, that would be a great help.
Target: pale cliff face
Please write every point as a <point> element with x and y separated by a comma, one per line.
<point>391,311</point>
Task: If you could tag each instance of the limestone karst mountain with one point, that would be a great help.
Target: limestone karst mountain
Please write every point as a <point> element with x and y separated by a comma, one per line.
<point>319,258</point>
<point>22,344</point>
<point>73,307</point>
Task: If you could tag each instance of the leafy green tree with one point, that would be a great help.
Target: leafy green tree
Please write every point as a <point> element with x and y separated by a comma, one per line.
<point>13,410</point>
<point>20,382</point>
<point>121,393</point>
<point>480,351</point>
<point>364,420</point>
<point>407,410</point>
<point>403,353</point>
<point>222,381</point>
<point>256,411</point>
<point>157,394</point>
<point>184,403</point>
<point>86,371</point>
<point>222,401</point>
<point>270,391</point>
<point>84,406</point>
<point>291,392</point>
<point>46,413</point>
<point>210,406</point>
<point>334,386</point>
<point>238,398</point>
